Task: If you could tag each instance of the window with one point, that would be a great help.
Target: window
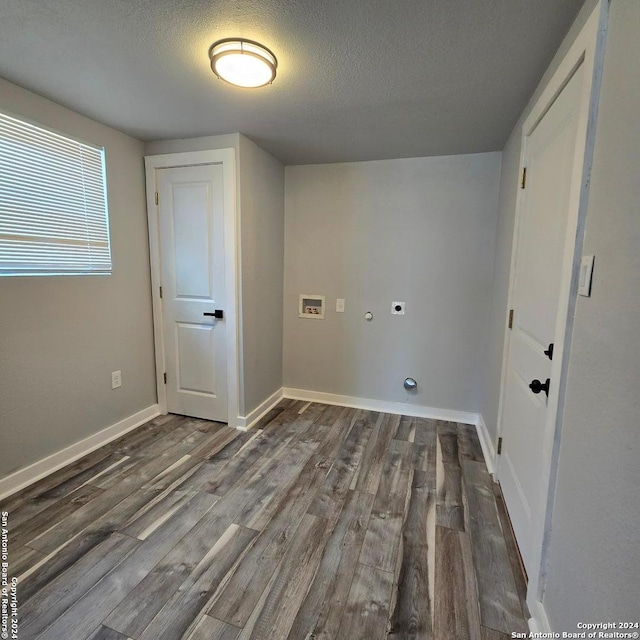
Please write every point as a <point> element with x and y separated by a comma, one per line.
<point>53,203</point>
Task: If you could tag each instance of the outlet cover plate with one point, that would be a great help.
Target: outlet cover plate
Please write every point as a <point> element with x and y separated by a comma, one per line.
<point>397,308</point>
<point>116,379</point>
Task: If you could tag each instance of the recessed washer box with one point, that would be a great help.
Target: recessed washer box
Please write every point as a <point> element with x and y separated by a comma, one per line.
<point>311,306</point>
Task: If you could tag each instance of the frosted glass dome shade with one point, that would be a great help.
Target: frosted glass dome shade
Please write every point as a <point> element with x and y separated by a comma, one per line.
<point>243,63</point>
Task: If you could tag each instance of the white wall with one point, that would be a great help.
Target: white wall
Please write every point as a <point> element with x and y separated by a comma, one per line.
<point>62,336</point>
<point>260,209</point>
<point>594,562</point>
<point>416,230</point>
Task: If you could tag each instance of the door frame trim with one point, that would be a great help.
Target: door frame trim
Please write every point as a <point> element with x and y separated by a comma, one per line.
<point>588,50</point>
<point>225,157</point>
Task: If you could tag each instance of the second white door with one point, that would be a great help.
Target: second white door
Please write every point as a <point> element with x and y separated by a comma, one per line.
<point>191,229</point>
<point>526,425</point>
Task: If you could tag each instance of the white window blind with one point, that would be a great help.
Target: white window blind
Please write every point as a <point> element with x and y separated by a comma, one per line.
<point>53,205</point>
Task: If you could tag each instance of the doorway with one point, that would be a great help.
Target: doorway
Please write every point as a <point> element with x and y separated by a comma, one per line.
<point>556,152</point>
<point>192,232</point>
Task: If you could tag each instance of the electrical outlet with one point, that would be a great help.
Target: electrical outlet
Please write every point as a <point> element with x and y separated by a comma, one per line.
<point>340,305</point>
<point>116,379</point>
<point>397,308</point>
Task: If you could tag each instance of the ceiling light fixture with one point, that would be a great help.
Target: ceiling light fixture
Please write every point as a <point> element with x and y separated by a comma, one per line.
<point>243,63</point>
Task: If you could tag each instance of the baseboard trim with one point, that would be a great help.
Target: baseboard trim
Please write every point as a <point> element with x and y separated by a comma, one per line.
<point>244,423</point>
<point>487,446</point>
<point>36,471</point>
<point>538,622</point>
<point>400,408</point>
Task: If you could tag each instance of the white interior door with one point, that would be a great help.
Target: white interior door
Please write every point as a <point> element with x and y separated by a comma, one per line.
<point>191,231</point>
<point>550,151</point>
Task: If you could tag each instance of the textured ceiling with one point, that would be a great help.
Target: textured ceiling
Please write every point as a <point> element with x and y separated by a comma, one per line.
<point>357,79</point>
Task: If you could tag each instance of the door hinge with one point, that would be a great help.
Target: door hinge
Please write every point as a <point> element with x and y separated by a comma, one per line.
<point>523,182</point>
<point>157,198</point>
<point>160,292</point>
<point>510,318</point>
<point>499,446</point>
<point>165,377</point>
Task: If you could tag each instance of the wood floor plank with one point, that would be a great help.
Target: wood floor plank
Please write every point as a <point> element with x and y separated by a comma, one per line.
<point>49,496</point>
<point>456,601</point>
<point>330,498</point>
<point>62,593</point>
<point>492,634</point>
<point>406,429</point>
<point>86,613</point>
<point>424,444</point>
<point>413,601</point>
<point>384,531</point>
<point>18,501</point>
<point>142,525</point>
<point>375,454</point>
<point>21,559</point>
<point>276,480</point>
<point>180,613</point>
<point>48,567</point>
<point>331,439</point>
<point>274,615</point>
<point>159,585</point>
<point>469,442</point>
<point>183,430</point>
<point>53,514</point>
<point>104,633</point>
<point>216,441</point>
<point>85,515</point>
<point>396,469</point>
<point>59,560</point>
<point>449,492</point>
<point>321,611</point>
<point>225,476</point>
<point>383,535</point>
<point>237,598</point>
<point>211,629</point>
<point>500,607</point>
<point>307,428</point>
<point>366,612</point>
<point>448,445</point>
<point>517,565</point>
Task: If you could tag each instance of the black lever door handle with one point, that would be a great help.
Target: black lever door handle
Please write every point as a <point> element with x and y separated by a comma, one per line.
<point>536,386</point>
<point>218,313</point>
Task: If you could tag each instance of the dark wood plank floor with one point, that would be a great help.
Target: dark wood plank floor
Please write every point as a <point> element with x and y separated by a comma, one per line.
<point>322,522</point>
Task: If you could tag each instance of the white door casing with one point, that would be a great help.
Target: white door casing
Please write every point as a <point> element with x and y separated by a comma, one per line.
<point>192,233</point>
<point>191,219</point>
<point>585,58</point>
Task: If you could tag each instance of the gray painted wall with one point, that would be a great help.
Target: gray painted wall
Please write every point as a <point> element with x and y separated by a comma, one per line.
<point>262,257</point>
<point>594,562</point>
<point>509,179</point>
<point>62,336</point>
<point>418,230</point>
<point>260,197</point>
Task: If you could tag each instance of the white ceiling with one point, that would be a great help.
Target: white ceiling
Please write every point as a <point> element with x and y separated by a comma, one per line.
<point>357,79</point>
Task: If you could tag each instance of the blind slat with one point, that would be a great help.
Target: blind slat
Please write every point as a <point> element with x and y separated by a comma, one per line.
<point>53,205</point>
